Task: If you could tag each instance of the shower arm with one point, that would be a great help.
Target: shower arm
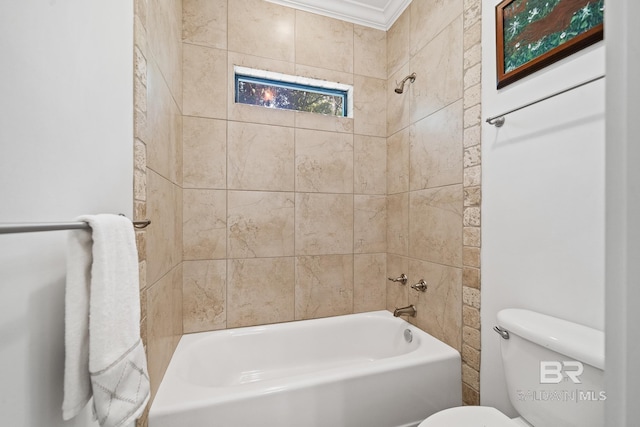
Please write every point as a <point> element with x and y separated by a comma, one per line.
<point>400,86</point>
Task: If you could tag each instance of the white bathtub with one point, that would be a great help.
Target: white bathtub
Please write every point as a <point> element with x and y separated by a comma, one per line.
<point>347,371</point>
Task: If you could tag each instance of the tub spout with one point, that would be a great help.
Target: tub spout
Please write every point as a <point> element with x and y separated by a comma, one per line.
<point>410,310</point>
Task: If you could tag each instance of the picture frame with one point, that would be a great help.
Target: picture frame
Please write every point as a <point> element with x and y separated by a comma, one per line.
<point>532,34</point>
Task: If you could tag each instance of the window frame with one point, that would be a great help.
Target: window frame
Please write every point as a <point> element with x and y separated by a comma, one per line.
<point>322,87</point>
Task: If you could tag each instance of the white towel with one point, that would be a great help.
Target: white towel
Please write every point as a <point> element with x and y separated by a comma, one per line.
<point>104,353</point>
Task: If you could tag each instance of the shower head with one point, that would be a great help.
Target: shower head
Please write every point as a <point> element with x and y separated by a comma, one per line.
<point>400,87</point>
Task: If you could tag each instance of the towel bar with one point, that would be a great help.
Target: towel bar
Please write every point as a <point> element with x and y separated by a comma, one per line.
<point>28,227</point>
<point>498,120</point>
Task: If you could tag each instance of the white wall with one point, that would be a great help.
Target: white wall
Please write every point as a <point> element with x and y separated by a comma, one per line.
<point>622,374</point>
<point>66,115</point>
<point>543,199</point>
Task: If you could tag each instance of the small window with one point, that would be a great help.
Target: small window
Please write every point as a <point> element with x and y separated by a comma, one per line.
<point>275,90</point>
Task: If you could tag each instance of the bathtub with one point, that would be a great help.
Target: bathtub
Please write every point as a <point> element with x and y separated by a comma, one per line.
<point>349,371</point>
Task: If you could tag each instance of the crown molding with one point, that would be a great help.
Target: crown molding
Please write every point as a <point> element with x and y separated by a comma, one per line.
<point>357,12</point>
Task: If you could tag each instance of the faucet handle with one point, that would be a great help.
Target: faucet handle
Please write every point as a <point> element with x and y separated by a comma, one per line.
<point>402,279</point>
<point>420,286</point>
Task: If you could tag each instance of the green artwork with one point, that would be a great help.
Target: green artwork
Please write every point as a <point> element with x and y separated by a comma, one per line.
<point>535,27</point>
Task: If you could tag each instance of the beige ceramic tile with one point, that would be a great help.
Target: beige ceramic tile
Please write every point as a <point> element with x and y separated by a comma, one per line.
<point>260,224</point>
<point>143,319</point>
<point>176,301</point>
<point>436,149</point>
<point>140,88</point>
<point>369,106</point>
<point>370,165</point>
<point>439,68</point>
<point>260,291</point>
<point>140,10</point>
<point>140,185</point>
<point>260,157</point>
<point>205,230</point>
<point>142,275</point>
<point>140,126</point>
<point>398,42</point>
<point>324,223</point>
<point>140,35</point>
<point>177,165</point>
<point>139,156</point>
<point>471,318</point>
<point>370,52</point>
<point>398,107</point>
<point>204,299</point>
<point>324,42</point>
<point>439,309</point>
<point>178,206</point>
<point>472,176</point>
<point>370,282</point>
<point>251,113</point>
<point>141,246</point>
<point>205,153</point>
<point>324,286</point>
<point>164,25</point>
<point>397,294</point>
<point>259,63</point>
<point>324,161</point>
<point>471,256</point>
<point>470,376</point>
<point>205,82</point>
<point>370,224</point>
<point>471,297</point>
<point>323,122</point>
<point>471,277</point>
<point>260,115</point>
<point>204,22</point>
<point>398,162</point>
<point>318,73</point>
<point>472,156</point>
<point>471,236</point>
<point>164,128</point>
<point>164,323</point>
<point>398,224</point>
<point>472,34</point>
<point>435,218</point>
<point>472,196</point>
<point>430,17</point>
<point>261,28</point>
<point>140,211</point>
<point>164,209</point>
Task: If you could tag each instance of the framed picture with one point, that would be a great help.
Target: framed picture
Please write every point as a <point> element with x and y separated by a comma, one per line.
<point>531,34</point>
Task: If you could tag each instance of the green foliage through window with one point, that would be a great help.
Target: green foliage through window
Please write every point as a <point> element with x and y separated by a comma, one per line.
<point>290,96</point>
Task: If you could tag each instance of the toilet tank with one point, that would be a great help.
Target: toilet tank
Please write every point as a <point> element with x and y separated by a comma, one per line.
<point>554,369</point>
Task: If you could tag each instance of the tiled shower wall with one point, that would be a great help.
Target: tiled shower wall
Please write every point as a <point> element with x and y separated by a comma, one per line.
<point>472,197</point>
<point>433,173</point>
<point>424,180</point>
<point>287,215</point>
<point>284,212</point>
<point>158,177</point>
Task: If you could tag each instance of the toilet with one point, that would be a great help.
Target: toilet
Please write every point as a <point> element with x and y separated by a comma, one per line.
<point>554,371</point>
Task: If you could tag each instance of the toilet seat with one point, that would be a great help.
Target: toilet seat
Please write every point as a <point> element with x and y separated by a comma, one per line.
<point>469,416</point>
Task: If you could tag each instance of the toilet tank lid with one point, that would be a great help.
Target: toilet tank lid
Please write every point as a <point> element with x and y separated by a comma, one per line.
<point>579,342</point>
